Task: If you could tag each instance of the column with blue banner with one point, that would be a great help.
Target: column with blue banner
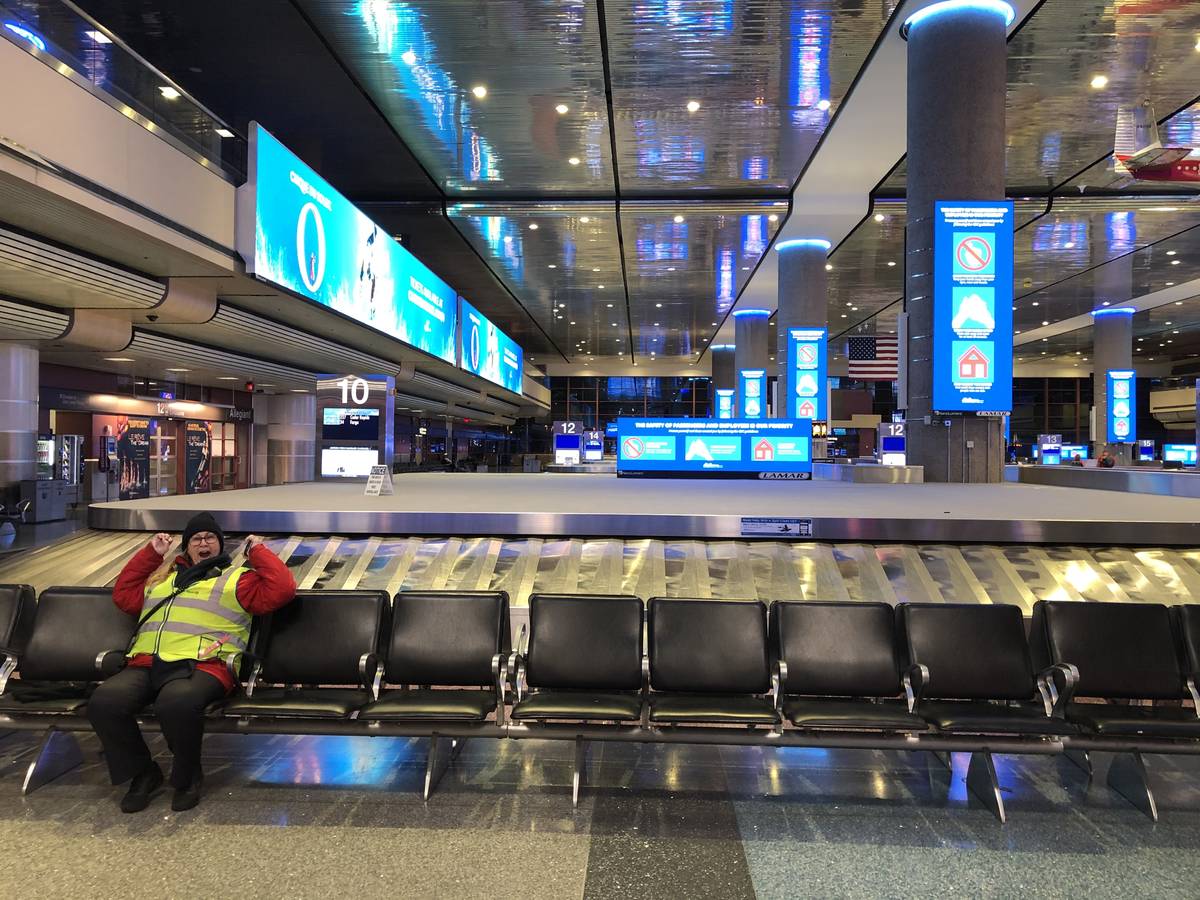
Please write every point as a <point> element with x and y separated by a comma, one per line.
<point>1121,395</point>
<point>752,393</point>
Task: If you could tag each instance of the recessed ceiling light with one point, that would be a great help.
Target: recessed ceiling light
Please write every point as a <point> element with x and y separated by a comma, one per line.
<point>1069,245</point>
<point>679,220</point>
<point>1176,262</point>
<point>228,378</point>
<point>1035,303</point>
<point>1099,82</point>
<point>224,132</point>
<point>600,286</point>
<point>879,217</point>
<point>655,324</point>
<point>179,370</point>
<point>1168,323</point>
<point>693,105</point>
<point>1172,284</point>
<point>1105,303</point>
<point>843,315</point>
<point>714,323</point>
<point>609,305</point>
<point>1045,322</point>
<point>99,37</point>
<point>572,323</point>
<point>562,109</point>
<point>169,92</point>
<point>533,226</point>
<point>552,266</point>
<point>828,267</point>
<point>585,219</point>
<point>409,57</point>
<point>574,160</point>
<point>479,91</point>
<point>745,268</point>
<point>614,324</point>
<point>118,359</point>
<point>891,263</point>
<point>670,268</point>
<point>299,391</point>
<point>822,105</point>
<point>1172,252</point>
<point>658,306</point>
<point>772,218</point>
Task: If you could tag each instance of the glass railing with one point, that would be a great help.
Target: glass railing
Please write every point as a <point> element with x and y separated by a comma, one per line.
<point>65,38</point>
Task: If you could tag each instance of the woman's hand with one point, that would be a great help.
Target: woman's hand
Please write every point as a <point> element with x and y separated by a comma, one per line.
<point>161,543</point>
<point>252,541</point>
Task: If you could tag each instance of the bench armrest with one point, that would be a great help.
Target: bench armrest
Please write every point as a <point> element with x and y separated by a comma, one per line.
<point>1056,685</point>
<point>1191,686</point>
<point>516,663</point>
<point>370,673</point>
<point>915,680</point>
<point>109,662</point>
<point>6,669</point>
<point>500,682</point>
<point>779,685</point>
<point>255,670</point>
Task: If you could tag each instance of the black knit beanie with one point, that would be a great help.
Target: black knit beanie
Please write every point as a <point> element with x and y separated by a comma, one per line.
<point>199,523</point>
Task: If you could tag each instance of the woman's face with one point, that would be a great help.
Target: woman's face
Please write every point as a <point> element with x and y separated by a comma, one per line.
<point>203,545</point>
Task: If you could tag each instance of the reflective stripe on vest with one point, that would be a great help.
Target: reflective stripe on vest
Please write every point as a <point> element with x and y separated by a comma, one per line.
<point>204,622</point>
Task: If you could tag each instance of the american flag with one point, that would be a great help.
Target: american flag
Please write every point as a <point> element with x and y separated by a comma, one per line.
<point>872,358</point>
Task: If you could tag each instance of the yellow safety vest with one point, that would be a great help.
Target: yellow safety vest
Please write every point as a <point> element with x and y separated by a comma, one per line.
<point>204,622</point>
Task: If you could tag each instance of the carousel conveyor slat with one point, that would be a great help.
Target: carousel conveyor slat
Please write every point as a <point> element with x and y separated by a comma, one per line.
<point>766,570</point>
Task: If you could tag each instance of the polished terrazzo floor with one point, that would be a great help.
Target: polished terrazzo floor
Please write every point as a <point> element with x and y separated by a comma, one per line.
<point>332,817</point>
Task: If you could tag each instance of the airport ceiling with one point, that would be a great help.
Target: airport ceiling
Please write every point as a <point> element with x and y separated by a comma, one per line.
<point>629,162</point>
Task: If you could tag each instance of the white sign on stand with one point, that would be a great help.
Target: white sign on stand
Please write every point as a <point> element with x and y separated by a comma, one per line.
<point>379,482</point>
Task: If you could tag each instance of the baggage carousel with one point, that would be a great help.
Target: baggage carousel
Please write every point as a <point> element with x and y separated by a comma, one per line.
<point>580,505</point>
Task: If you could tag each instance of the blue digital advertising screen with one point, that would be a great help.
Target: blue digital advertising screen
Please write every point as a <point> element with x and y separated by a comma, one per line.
<point>972,306</point>
<point>487,351</point>
<point>767,448</point>
<point>1073,451</point>
<point>610,430</point>
<point>806,362</point>
<point>1184,453</point>
<point>312,241</point>
<point>752,393</point>
<point>725,403</point>
<point>1121,386</point>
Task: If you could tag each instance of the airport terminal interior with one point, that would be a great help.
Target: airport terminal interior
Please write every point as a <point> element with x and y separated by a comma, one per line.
<point>600,448</point>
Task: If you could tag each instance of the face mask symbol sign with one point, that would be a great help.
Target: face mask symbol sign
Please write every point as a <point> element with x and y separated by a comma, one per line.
<point>312,264</point>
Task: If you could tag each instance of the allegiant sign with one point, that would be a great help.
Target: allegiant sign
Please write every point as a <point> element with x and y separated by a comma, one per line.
<point>296,231</point>
<point>972,306</point>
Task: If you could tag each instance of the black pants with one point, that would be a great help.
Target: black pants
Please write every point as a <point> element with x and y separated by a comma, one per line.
<point>179,707</point>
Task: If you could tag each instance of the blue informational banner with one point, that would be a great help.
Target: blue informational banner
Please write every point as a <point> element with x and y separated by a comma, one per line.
<point>1122,406</point>
<point>752,393</point>
<point>972,306</point>
<point>725,403</point>
<point>806,362</point>
<point>610,430</point>
<point>487,351</point>
<point>312,241</point>
<point>770,448</point>
<point>1184,453</point>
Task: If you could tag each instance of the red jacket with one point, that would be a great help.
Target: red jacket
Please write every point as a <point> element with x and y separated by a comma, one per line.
<point>265,588</point>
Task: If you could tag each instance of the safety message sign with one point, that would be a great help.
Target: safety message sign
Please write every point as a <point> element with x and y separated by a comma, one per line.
<point>752,393</point>
<point>1122,406</point>
<point>770,448</point>
<point>806,363</point>
<point>725,403</point>
<point>972,306</point>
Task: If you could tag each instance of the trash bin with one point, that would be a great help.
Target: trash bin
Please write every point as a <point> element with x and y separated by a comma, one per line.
<point>47,500</point>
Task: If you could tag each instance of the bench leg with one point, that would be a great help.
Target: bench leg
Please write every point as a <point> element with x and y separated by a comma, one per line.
<point>441,751</point>
<point>982,782</point>
<point>1128,777</point>
<point>1082,759</point>
<point>580,776</point>
<point>57,754</point>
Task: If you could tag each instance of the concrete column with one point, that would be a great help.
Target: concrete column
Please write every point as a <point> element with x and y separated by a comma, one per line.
<point>1112,339</point>
<point>956,93</point>
<point>258,439</point>
<point>18,414</point>
<point>724,375</point>
<point>291,438</point>
<point>803,303</point>
<point>750,345</point>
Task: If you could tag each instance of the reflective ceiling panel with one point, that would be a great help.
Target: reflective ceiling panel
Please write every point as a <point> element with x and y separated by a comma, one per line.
<point>477,90</point>
<point>686,263</point>
<point>732,96</point>
<point>1077,70</point>
<point>564,262</point>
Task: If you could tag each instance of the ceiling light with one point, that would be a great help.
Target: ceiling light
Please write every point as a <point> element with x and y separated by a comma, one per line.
<point>658,306</point>
<point>228,378</point>
<point>679,220</point>
<point>843,315</point>
<point>609,305</point>
<point>1045,339</point>
<point>614,324</point>
<point>1176,262</point>
<point>670,268</point>
<point>891,263</point>
<point>772,218</point>
<point>822,105</point>
<point>655,324</point>
<point>118,359</point>
<point>99,37</point>
<point>574,160</point>
<point>224,132</point>
<point>1168,323</point>
<point>479,91</point>
<point>552,266</point>
<point>828,267</point>
<point>1179,303</point>
<point>1035,303</point>
<point>1105,303</point>
<point>693,105</point>
<point>533,226</point>
<point>714,323</point>
<point>169,92</point>
<point>299,391</point>
<point>600,286</point>
<point>572,323</point>
<point>745,268</point>
<point>409,57</point>
<point>585,220</point>
<point>179,370</point>
<point>562,109</point>
<point>1069,245</point>
<point>1172,252</point>
<point>1044,322</point>
<point>1100,82</point>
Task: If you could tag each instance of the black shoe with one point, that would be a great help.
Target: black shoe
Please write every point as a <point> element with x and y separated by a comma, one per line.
<point>186,798</point>
<point>142,788</point>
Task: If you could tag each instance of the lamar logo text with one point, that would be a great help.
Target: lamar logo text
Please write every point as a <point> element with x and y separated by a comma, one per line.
<point>784,476</point>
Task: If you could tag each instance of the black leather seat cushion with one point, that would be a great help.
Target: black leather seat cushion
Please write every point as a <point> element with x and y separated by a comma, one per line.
<point>71,627</point>
<point>1110,719</point>
<point>991,718</point>
<point>584,642</point>
<point>579,705</point>
<point>304,703</point>
<point>446,638</point>
<point>837,649</point>
<point>429,704</point>
<point>57,698</point>
<point>708,646</point>
<point>810,712</point>
<point>716,709</point>
<point>320,636</point>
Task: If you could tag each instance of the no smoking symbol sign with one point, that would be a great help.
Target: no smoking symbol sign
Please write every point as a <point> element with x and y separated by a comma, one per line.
<point>807,353</point>
<point>973,254</point>
<point>633,448</point>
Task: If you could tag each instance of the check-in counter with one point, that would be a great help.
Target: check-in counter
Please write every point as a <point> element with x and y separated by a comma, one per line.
<point>1129,479</point>
<point>868,473</point>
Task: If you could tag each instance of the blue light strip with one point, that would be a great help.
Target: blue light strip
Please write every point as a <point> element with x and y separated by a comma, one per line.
<point>721,347</point>
<point>952,6</point>
<point>804,242</point>
<point>752,312</point>
<point>1114,311</point>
